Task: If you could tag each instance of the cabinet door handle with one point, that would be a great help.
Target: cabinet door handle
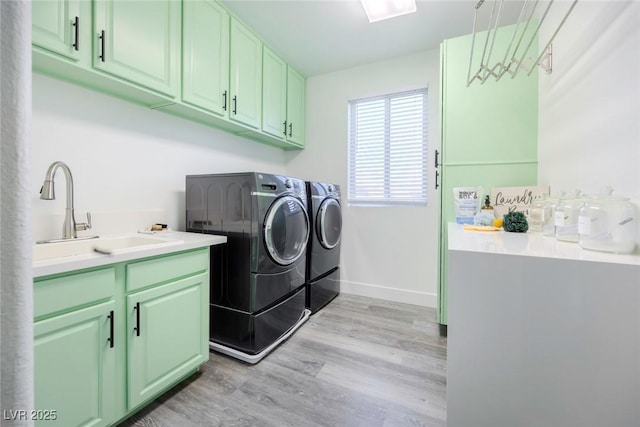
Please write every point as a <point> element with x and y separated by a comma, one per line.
<point>285,128</point>
<point>137,328</point>
<point>224,100</point>
<point>110,339</point>
<point>101,37</point>
<point>437,163</point>
<point>235,104</point>
<point>290,129</point>
<point>76,31</point>
<point>437,175</point>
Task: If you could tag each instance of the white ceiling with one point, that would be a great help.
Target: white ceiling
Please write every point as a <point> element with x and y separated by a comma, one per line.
<point>320,36</point>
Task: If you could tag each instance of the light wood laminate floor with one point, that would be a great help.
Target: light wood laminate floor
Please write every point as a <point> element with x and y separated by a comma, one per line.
<point>357,362</point>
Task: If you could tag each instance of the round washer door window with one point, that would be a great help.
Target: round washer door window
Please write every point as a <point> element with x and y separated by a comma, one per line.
<point>286,230</point>
<point>329,223</point>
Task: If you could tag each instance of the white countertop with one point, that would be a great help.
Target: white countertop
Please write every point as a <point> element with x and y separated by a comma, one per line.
<point>528,244</point>
<point>183,241</point>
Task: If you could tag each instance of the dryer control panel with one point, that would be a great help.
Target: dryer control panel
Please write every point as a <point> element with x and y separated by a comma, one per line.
<point>279,184</point>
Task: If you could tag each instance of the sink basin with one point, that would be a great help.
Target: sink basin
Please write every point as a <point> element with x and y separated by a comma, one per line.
<point>118,244</point>
<point>103,245</point>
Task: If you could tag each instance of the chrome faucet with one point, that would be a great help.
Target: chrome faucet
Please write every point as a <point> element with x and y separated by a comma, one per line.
<point>47,192</point>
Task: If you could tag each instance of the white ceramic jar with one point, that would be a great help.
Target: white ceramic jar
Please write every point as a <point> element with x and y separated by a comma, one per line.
<point>608,223</point>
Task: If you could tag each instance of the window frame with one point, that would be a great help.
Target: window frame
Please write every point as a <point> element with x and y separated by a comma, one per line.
<point>387,199</point>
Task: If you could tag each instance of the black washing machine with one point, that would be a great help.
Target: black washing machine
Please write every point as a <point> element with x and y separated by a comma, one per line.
<point>257,279</point>
<point>323,251</point>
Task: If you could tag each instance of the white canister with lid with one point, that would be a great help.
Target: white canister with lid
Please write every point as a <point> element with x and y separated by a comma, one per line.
<point>541,211</point>
<point>548,226</point>
<point>566,217</point>
<point>536,212</point>
<point>607,223</point>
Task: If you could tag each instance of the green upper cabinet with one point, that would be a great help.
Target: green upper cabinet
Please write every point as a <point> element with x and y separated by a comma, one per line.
<point>56,27</point>
<point>75,367</point>
<point>283,99</point>
<point>139,41</point>
<point>274,94</point>
<point>205,56</point>
<point>190,58</point>
<point>295,107</point>
<point>246,76</point>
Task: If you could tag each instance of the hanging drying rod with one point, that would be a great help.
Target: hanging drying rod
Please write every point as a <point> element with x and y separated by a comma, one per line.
<point>513,60</point>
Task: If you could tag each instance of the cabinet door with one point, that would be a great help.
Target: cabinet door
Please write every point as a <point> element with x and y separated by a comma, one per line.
<point>246,76</point>
<point>74,367</point>
<point>295,107</point>
<point>495,115</point>
<point>205,56</point>
<point>56,26</point>
<point>139,41</point>
<point>168,333</point>
<point>274,91</point>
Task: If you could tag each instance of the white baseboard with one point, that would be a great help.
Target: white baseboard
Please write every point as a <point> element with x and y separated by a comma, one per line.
<point>390,294</point>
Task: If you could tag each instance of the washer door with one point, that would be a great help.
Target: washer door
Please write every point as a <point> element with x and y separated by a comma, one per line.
<point>329,223</point>
<point>286,230</point>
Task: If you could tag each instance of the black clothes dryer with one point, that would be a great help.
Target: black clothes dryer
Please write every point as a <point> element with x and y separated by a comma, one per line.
<point>323,251</point>
<point>260,296</point>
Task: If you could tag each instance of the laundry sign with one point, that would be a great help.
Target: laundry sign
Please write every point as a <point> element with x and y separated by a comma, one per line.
<point>509,199</point>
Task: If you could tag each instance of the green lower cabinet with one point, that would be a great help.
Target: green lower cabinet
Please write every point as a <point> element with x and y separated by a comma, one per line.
<point>74,368</point>
<point>165,329</point>
<point>111,339</point>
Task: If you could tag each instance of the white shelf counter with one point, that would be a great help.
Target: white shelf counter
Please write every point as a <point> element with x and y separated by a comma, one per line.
<point>541,333</point>
<point>529,244</point>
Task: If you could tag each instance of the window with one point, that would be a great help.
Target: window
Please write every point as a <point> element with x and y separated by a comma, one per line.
<point>388,149</point>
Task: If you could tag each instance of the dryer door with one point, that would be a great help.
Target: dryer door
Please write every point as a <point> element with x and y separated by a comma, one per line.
<point>329,223</point>
<point>286,230</point>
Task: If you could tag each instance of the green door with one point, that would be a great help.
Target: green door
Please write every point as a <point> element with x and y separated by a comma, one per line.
<point>168,332</point>
<point>56,26</point>
<point>139,41</point>
<point>205,56</point>
<point>246,76</point>
<point>489,134</point>
<point>295,107</point>
<point>274,94</point>
<point>74,367</point>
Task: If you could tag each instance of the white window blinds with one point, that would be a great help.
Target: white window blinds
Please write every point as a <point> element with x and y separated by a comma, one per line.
<point>388,149</point>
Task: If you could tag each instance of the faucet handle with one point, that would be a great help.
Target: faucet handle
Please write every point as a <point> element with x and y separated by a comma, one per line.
<point>80,226</point>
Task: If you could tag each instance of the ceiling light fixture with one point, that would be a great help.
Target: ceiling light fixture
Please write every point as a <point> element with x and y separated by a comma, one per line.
<point>377,10</point>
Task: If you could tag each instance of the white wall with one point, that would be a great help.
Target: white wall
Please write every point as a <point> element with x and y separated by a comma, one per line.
<point>128,162</point>
<point>389,252</point>
<point>589,119</point>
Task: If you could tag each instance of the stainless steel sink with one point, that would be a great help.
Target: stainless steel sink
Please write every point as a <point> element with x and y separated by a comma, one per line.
<point>103,245</point>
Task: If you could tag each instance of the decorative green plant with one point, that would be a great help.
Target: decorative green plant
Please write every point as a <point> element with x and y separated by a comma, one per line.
<point>515,222</point>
